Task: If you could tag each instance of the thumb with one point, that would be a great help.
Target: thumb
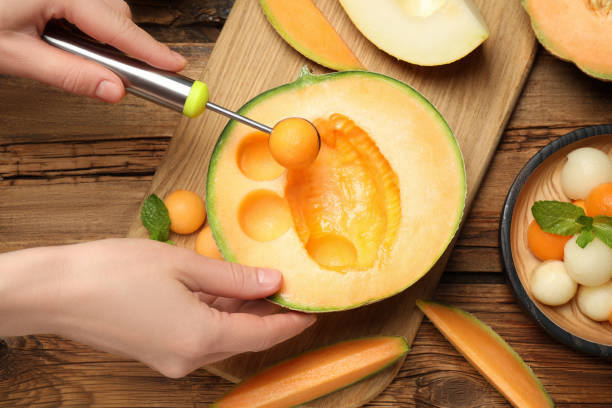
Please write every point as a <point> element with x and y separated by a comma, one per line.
<point>228,279</point>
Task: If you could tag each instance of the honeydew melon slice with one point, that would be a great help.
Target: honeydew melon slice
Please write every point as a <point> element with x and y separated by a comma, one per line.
<point>422,32</point>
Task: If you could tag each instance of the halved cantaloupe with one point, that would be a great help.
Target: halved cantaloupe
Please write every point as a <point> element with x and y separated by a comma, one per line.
<point>316,373</point>
<point>368,218</point>
<point>576,30</point>
<point>305,28</point>
<point>422,32</point>
<point>489,354</point>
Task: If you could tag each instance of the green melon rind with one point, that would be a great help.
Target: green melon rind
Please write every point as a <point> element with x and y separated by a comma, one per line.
<point>305,51</point>
<point>423,304</point>
<point>306,78</point>
<point>547,44</point>
<point>404,344</point>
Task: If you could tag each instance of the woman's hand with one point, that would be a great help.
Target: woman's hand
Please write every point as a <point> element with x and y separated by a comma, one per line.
<point>168,307</point>
<point>23,53</point>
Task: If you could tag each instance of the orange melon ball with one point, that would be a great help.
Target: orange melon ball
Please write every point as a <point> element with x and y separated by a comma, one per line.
<point>294,143</point>
<point>206,245</point>
<point>544,245</point>
<point>187,211</point>
<point>580,203</point>
<point>599,200</point>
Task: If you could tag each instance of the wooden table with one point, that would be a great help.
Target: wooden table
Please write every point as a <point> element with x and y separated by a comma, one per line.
<point>78,169</point>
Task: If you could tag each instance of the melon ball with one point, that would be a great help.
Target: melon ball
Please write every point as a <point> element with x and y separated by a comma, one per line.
<point>206,245</point>
<point>591,265</point>
<point>596,301</point>
<point>586,168</point>
<point>551,285</point>
<point>294,143</point>
<point>187,211</point>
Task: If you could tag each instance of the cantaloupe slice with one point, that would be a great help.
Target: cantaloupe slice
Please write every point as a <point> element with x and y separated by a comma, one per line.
<point>316,373</point>
<point>306,29</point>
<point>368,218</point>
<point>576,30</point>
<point>422,32</point>
<point>489,354</point>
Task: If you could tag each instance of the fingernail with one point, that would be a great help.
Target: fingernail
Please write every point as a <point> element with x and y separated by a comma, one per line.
<point>268,277</point>
<point>109,91</point>
<point>179,57</point>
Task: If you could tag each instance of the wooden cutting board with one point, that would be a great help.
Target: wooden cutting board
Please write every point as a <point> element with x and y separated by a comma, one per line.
<point>476,96</point>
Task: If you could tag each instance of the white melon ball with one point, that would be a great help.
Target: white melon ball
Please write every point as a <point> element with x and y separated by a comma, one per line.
<point>591,265</point>
<point>551,285</point>
<point>596,301</point>
<point>586,168</point>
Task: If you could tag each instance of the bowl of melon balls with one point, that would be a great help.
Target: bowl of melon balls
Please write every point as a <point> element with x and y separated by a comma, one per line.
<point>556,239</point>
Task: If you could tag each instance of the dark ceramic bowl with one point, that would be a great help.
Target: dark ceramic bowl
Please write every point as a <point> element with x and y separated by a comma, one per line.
<point>540,180</point>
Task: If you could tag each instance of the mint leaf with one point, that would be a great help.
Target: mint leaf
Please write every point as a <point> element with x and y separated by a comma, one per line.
<point>585,237</point>
<point>558,217</point>
<point>586,222</point>
<point>602,228</point>
<point>154,217</point>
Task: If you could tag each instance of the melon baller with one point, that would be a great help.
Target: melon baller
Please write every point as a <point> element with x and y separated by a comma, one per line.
<point>172,90</point>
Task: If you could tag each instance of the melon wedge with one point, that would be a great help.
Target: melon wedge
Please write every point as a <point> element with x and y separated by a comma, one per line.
<point>305,28</point>
<point>316,373</point>
<point>489,354</point>
<point>579,31</point>
<point>367,219</point>
<point>422,32</point>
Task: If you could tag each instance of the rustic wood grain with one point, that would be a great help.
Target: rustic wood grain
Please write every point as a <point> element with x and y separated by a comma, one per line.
<point>46,371</point>
<point>181,20</point>
<point>469,94</point>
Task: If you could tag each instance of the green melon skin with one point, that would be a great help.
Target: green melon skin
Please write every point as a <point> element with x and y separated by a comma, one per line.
<point>305,79</point>
<point>547,44</point>
<point>423,304</point>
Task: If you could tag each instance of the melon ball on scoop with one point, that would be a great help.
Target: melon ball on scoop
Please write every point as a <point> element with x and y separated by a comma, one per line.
<point>596,301</point>
<point>551,284</point>
<point>591,265</point>
<point>586,168</point>
<point>294,143</point>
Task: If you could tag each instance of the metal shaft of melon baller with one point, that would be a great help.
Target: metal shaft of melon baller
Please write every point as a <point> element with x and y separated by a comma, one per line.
<point>166,88</point>
<point>242,119</point>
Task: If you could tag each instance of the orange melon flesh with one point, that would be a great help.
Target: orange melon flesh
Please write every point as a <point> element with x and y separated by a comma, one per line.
<point>348,201</point>
<point>489,354</point>
<point>294,143</point>
<point>368,218</point>
<point>316,373</point>
<point>307,30</point>
<point>576,30</point>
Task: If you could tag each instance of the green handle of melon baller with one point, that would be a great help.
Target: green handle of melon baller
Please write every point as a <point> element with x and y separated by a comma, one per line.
<point>166,88</point>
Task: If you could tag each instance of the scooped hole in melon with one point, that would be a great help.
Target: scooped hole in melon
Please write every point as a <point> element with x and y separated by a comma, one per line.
<point>332,251</point>
<point>264,215</point>
<point>346,205</point>
<point>255,159</point>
